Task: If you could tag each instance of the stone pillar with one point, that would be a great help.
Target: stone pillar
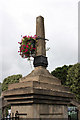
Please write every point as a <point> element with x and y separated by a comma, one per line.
<point>41,33</point>
<point>40,59</point>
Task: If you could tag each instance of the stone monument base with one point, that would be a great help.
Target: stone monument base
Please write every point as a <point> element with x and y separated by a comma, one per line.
<point>39,95</point>
<point>41,111</point>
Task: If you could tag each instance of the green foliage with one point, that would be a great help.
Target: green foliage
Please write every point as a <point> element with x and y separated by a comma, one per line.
<point>61,73</point>
<point>0,88</point>
<point>6,82</point>
<point>10,80</point>
<point>73,80</point>
<point>69,76</point>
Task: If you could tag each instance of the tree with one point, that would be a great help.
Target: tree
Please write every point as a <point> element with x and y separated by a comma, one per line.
<point>10,80</point>
<point>6,82</point>
<point>61,73</point>
<point>73,80</point>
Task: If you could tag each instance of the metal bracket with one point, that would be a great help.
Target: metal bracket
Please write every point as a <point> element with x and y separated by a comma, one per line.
<point>42,38</point>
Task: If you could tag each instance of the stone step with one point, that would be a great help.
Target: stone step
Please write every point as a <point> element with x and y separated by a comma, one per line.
<point>39,85</point>
<point>28,91</point>
<point>39,102</point>
<point>35,96</point>
<point>42,78</point>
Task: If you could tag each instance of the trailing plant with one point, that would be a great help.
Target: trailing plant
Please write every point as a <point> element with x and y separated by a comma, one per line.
<point>27,47</point>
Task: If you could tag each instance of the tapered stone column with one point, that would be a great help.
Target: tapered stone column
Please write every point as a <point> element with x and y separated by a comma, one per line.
<point>40,59</point>
<point>41,50</point>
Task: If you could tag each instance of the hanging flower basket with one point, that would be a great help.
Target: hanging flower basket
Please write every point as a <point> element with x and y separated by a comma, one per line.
<point>27,47</point>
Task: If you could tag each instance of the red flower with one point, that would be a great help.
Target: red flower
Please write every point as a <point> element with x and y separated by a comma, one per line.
<point>26,50</point>
<point>19,42</point>
<point>27,46</point>
<point>35,35</point>
<point>28,36</point>
<point>23,45</point>
<point>24,36</point>
<point>22,48</point>
<point>34,48</point>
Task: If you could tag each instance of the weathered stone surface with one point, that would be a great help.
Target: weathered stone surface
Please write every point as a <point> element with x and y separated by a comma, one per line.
<point>39,85</point>
<point>37,95</point>
<point>40,89</point>
<point>41,50</point>
<point>40,74</point>
<point>41,111</point>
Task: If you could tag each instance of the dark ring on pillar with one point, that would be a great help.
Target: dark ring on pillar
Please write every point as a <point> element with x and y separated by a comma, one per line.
<point>40,61</point>
<point>41,38</point>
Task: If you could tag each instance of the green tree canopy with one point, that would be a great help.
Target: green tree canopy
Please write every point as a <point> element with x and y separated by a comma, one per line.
<point>61,73</point>
<point>73,80</point>
<point>10,80</point>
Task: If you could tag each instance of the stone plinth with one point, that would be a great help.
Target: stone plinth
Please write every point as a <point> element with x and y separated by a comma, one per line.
<point>41,111</point>
<point>39,95</point>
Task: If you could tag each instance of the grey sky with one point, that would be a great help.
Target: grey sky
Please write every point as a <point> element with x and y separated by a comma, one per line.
<point>18,17</point>
<point>79,32</point>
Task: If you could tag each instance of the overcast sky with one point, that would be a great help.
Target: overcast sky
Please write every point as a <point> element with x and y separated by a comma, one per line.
<point>18,17</point>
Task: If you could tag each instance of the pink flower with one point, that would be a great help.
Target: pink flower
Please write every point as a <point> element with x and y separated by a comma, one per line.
<point>19,42</point>
<point>23,45</point>
<point>35,35</point>
<point>34,48</point>
<point>22,48</point>
<point>30,47</point>
<point>24,36</point>
<point>28,36</point>
<point>27,46</point>
<point>26,50</point>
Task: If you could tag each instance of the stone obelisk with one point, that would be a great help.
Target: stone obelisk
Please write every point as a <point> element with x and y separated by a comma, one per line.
<point>39,94</point>
<point>40,59</point>
<point>40,31</point>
